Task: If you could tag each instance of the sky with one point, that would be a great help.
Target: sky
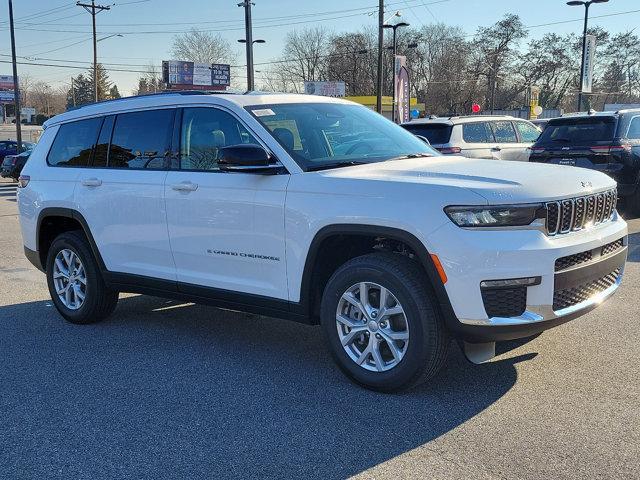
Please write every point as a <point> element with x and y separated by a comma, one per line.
<point>59,32</point>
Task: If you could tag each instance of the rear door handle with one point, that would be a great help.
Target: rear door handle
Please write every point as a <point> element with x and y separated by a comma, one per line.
<point>496,149</point>
<point>91,182</point>
<point>185,187</point>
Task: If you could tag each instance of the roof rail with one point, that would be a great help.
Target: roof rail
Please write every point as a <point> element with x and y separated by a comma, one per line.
<point>166,92</point>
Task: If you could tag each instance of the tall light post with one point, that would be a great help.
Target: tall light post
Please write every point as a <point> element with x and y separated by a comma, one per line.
<point>586,4</point>
<point>250,73</point>
<point>16,86</point>
<point>394,27</point>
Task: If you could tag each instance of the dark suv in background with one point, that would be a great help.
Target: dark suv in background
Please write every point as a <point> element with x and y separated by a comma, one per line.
<point>604,141</point>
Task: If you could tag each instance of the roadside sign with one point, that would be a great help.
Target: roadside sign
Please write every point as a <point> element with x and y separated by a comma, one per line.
<point>182,75</point>
<point>326,89</point>
<point>7,94</point>
<point>589,54</point>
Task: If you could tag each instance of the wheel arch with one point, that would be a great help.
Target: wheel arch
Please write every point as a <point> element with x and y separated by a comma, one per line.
<point>43,242</point>
<point>307,300</point>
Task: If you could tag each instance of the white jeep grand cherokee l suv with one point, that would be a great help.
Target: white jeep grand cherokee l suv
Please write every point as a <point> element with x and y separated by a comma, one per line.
<point>317,210</point>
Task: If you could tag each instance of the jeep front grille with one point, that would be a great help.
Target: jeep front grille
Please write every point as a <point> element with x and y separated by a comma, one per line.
<point>573,214</point>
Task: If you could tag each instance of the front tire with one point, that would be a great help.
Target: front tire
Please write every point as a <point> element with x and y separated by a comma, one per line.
<point>381,320</point>
<point>75,283</point>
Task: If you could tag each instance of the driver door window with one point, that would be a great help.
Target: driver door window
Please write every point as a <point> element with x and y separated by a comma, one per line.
<point>204,132</point>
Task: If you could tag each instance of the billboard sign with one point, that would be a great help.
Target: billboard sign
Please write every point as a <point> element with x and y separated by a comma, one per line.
<point>7,94</point>
<point>588,58</point>
<point>402,92</point>
<point>326,89</point>
<point>181,75</point>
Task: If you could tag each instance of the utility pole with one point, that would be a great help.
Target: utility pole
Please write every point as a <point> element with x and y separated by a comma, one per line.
<point>16,85</point>
<point>380,47</point>
<point>94,9</point>
<point>73,92</point>
<point>249,42</point>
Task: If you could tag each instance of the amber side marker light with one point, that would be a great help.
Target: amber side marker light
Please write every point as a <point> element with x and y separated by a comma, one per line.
<point>438,265</point>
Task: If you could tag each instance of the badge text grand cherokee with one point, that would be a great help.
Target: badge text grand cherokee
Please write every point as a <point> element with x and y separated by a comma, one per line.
<point>345,219</point>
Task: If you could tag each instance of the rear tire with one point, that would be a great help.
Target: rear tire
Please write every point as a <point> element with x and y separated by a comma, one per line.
<point>398,364</point>
<point>75,282</point>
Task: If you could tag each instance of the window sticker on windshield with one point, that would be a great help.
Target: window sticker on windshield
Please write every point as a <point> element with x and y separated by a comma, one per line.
<point>263,112</point>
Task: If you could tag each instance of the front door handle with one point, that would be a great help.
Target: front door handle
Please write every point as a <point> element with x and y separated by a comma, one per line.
<point>496,149</point>
<point>185,187</point>
<point>91,182</point>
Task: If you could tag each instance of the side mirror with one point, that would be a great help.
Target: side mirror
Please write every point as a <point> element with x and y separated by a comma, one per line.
<point>246,158</point>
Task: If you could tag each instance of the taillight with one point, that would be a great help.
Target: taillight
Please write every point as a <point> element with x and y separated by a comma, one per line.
<point>23,181</point>
<point>537,149</point>
<point>625,147</point>
<point>450,150</point>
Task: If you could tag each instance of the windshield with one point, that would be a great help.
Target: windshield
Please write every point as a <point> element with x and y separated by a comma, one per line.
<point>578,131</point>
<point>329,135</point>
<point>436,133</point>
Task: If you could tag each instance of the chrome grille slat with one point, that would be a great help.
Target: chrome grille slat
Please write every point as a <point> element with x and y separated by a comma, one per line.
<point>574,214</point>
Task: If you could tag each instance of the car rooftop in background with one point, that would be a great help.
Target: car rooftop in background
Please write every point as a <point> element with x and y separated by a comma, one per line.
<point>496,137</point>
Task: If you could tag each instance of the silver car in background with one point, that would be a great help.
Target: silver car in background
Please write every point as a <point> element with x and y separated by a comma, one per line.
<point>497,137</point>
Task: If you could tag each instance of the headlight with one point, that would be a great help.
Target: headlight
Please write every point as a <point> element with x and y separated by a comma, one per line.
<point>495,216</point>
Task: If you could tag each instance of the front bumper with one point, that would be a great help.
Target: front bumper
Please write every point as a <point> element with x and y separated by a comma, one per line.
<point>470,257</point>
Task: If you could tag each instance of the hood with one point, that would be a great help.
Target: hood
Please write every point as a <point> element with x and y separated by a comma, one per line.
<point>498,181</point>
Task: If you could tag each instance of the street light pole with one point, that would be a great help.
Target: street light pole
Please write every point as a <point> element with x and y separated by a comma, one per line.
<point>16,85</point>
<point>250,80</point>
<point>380,47</point>
<point>586,4</point>
<point>249,41</point>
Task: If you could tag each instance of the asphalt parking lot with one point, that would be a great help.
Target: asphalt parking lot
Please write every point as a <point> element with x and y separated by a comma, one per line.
<point>170,390</point>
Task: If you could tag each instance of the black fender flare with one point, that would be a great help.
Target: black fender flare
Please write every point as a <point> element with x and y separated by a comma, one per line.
<point>49,212</point>
<point>376,231</point>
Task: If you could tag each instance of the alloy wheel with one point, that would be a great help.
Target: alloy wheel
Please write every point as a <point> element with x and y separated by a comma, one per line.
<point>372,326</point>
<point>69,279</point>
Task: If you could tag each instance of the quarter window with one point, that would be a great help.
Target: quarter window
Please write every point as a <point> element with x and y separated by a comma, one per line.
<point>504,132</point>
<point>74,142</point>
<point>528,133</point>
<point>204,132</point>
<point>477,132</point>
<point>141,139</point>
<point>634,129</point>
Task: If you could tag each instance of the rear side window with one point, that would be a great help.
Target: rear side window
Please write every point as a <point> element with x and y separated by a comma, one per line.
<point>579,131</point>
<point>436,133</point>
<point>74,142</point>
<point>634,129</point>
<point>504,132</point>
<point>477,132</point>
<point>528,133</point>
<point>141,139</point>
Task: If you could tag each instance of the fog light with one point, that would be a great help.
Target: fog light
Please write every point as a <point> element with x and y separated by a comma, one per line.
<point>511,282</point>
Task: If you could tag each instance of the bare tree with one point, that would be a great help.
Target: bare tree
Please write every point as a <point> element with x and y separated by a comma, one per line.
<point>305,54</point>
<point>204,47</point>
<point>149,82</point>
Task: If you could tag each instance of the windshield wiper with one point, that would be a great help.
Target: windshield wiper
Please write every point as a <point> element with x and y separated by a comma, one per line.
<point>326,166</point>
<point>412,155</point>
